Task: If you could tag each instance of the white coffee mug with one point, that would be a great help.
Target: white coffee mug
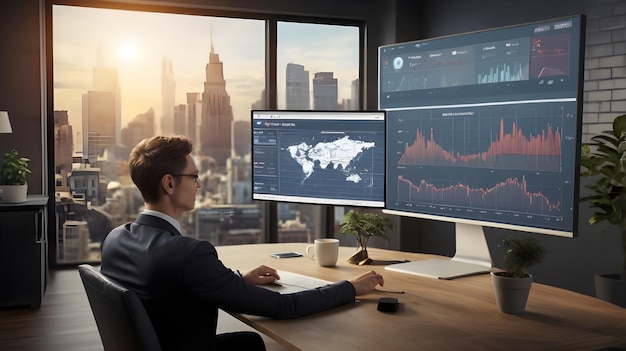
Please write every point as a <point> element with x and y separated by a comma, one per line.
<point>324,251</point>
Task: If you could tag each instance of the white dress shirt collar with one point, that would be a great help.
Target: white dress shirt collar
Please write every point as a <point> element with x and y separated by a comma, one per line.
<point>162,215</point>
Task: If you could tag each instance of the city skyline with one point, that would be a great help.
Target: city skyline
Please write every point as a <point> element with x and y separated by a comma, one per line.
<point>137,52</point>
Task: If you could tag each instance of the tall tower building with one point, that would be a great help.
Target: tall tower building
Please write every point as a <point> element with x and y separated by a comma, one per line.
<point>141,127</point>
<point>355,103</point>
<point>101,113</point>
<point>168,94</point>
<point>63,142</point>
<point>261,103</point>
<point>194,115</point>
<point>99,127</point>
<point>217,113</point>
<point>298,92</point>
<point>325,91</point>
<point>106,79</point>
<point>180,119</point>
<point>242,142</point>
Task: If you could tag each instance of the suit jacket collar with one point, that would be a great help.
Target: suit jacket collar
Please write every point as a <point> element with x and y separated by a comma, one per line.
<point>157,222</point>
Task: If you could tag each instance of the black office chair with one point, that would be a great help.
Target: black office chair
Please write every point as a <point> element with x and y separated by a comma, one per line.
<point>122,321</point>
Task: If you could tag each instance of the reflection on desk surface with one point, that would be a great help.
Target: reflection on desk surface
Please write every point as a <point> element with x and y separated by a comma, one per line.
<point>293,282</point>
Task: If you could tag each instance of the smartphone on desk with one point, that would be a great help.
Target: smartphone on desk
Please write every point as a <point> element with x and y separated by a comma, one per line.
<point>286,254</point>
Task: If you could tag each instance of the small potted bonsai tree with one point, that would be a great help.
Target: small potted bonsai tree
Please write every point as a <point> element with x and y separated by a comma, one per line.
<point>13,177</point>
<point>364,225</point>
<point>512,286</point>
<point>604,161</point>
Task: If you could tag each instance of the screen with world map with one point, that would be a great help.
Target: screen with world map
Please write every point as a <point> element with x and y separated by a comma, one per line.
<point>319,157</point>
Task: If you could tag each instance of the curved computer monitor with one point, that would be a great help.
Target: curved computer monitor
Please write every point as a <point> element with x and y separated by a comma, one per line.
<point>319,157</point>
<point>484,130</point>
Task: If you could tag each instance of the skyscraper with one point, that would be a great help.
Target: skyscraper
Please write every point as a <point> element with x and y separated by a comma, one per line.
<point>217,113</point>
<point>63,142</point>
<point>101,113</point>
<point>106,79</point>
<point>354,95</point>
<point>325,91</point>
<point>98,123</point>
<point>141,127</point>
<point>168,93</point>
<point>261,103</point>
<point>194,115</point>
<point>180,119</point>
<point>241,141</point>
<point>298,93</point>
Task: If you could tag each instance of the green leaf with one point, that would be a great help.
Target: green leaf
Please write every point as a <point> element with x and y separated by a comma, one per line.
<point>522,253</point>
<point>14,169</point>
<point>604,159</point>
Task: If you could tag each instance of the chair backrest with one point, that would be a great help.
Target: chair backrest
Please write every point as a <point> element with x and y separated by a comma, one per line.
<point>122,320</point>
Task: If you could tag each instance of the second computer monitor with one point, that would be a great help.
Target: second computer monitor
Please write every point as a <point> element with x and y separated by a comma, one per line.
<point>319,157</point>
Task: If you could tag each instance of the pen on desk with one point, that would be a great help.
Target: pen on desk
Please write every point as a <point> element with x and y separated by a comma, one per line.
<point>390,291</point>
<point>369,261</point>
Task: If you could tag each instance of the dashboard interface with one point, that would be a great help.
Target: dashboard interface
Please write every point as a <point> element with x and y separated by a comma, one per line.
<point>319,157</point>
<point>485,126</point>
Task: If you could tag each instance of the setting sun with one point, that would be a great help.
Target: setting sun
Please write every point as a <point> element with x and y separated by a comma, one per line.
<point>128,50</point>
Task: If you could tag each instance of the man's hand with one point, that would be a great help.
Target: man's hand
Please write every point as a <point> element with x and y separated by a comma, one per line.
<point>366,282</point>
<point>261,275</point>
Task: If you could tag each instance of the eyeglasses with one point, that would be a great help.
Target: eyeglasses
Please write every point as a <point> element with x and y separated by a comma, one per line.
<point>194,176</point>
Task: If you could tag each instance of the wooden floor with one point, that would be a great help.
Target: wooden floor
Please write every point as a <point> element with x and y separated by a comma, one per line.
<point>64,322</point>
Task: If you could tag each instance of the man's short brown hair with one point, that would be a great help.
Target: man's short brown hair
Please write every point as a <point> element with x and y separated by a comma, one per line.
<point>152,158</point>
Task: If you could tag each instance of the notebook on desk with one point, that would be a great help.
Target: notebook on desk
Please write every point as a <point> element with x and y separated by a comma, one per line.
<point>293,282</point>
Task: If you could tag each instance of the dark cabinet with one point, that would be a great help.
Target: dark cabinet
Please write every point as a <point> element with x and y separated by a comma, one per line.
<point>23,252</point>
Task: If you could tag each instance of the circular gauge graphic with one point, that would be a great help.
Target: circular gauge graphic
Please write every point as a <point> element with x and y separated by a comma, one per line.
<point>397,63</point>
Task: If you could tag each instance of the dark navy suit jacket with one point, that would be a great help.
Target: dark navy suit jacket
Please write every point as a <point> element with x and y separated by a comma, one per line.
<point>182,283</point>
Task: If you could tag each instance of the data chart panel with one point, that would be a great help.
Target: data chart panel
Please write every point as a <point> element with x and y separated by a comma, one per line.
<point>492,162</point>
<point>515,136</point>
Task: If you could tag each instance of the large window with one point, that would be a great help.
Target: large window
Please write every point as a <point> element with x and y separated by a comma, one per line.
<point>319,65</point>
<point>121,76</point>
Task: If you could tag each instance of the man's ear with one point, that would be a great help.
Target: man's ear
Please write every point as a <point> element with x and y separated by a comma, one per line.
<point>168,183</point>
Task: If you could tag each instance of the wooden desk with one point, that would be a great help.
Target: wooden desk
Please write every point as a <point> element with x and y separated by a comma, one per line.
<point>459,314</point>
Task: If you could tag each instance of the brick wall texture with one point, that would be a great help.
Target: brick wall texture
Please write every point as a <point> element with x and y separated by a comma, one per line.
<point>604,93</point>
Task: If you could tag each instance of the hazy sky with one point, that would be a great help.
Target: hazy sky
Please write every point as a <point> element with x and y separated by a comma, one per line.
<point>136,43</point>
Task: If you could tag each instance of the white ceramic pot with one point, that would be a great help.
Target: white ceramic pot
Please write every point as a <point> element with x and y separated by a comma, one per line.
<point>13,193</point>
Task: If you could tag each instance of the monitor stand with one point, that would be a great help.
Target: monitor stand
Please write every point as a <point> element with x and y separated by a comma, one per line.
<point>472,257</point>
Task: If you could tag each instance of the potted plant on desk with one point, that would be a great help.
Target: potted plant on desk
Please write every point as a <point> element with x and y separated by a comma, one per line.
<point>513,285</point>
<point>604,160</point>
<point>363,226</point>
<point>13,177</point>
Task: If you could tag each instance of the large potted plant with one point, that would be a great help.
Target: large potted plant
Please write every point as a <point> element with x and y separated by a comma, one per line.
<point>512,286</point>
<point>604,162</point>
<point>364,225</point>
<point>13,177</point>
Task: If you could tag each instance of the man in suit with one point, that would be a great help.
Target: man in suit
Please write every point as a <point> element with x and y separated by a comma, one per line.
<point>181,280</point>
